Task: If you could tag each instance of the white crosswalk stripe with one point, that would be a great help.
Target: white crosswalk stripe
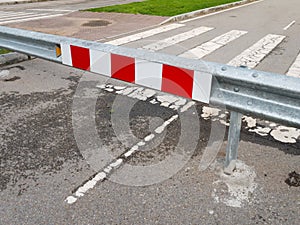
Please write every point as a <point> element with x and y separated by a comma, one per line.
<point>211,46</point>
<point>177,39</point>
<point>10,15</point>
<point>53,10</point>
<point>295,68</point>
<point>13,16</point>
<point>252,56</point>
<point>145,34</point>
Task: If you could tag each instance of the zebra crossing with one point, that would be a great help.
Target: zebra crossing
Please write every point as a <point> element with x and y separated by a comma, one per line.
<point>212,45</point>
<point>7,17</point>
<point>250,57</point>
<point>177,38</point>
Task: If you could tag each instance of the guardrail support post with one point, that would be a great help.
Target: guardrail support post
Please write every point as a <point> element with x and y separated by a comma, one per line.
<point>233,141</point>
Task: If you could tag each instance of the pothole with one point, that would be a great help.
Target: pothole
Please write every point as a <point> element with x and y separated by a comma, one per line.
<point>96,23</point>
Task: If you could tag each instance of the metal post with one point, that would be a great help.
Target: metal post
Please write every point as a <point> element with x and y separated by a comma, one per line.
<point>233,141</point>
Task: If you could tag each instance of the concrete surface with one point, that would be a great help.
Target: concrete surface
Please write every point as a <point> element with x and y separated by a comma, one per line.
<point>92,26</point>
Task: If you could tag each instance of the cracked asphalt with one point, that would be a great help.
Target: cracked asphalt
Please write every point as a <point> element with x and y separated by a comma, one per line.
<point>41,163</point>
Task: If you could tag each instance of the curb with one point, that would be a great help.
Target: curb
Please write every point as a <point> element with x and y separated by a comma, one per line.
<point>12,57</point>
<point>22,2</point>
<point>201,12</point>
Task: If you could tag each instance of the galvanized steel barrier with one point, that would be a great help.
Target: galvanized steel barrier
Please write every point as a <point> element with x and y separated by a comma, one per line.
<point>265,95</point>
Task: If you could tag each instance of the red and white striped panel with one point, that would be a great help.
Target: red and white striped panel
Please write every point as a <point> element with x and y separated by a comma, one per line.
<point>171,79</point>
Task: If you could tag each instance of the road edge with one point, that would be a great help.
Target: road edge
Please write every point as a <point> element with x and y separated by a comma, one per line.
<point>201,12</point>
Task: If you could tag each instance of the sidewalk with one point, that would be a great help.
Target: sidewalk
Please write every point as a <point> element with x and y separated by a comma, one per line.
<point>91,26</point>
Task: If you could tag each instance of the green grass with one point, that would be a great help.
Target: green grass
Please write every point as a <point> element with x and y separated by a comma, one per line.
<point>162,7</point>
<point>3,51</point>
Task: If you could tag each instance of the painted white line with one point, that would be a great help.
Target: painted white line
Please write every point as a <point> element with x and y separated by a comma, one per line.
<point>7,15</point>
<point>295,68</point>
<point>99,177</point>
<point>10,12</point>
<point>177,38</point>
<point>21,17</point>
<point>52,10</point>
<point>161,128</point>
<point>257,52</point>
<point>145,34</point>
<point>32,18</point>
<point>210,46</point>
<point>290,24</point>
<point>222,11</point>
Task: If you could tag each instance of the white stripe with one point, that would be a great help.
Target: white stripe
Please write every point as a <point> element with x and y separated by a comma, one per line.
<point>202,86</point>
<point>177,38</point>
<point>210,46</point>
<point>32,18</point>
<point>148,74</point>
<point>144,34</point>
<point>66,54</point>
<point>10,12</point>
<point>295,68</point>
<point>288,26</point>
<point>52,10</point>
<point>257,52</point>
<point>21,17</point>
<point>7,15</point>
<point>100,62</point>
<point>107,171</point>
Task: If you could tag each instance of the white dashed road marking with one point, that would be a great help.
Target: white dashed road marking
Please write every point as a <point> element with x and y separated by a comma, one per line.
<point>210,46</point>
<point>257,52</point>
<point>142,94</point>
<point>99,177</point>
<point>177,39</point>
<point>145,34</point>
<point>289,25</point>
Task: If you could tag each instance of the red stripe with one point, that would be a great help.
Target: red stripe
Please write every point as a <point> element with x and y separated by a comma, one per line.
<point>80,57</point>
<point>177,81</point>
<point>123,68</point>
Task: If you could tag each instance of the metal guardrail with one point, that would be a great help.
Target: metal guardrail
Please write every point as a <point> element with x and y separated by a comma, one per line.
<point>265,95</point>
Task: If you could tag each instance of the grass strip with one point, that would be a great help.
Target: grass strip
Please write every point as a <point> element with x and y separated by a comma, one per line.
<point>162,7</point>
<point>3,51</point>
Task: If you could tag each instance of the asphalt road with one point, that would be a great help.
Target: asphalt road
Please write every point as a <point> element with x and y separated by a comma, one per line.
<point>62,129</point>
